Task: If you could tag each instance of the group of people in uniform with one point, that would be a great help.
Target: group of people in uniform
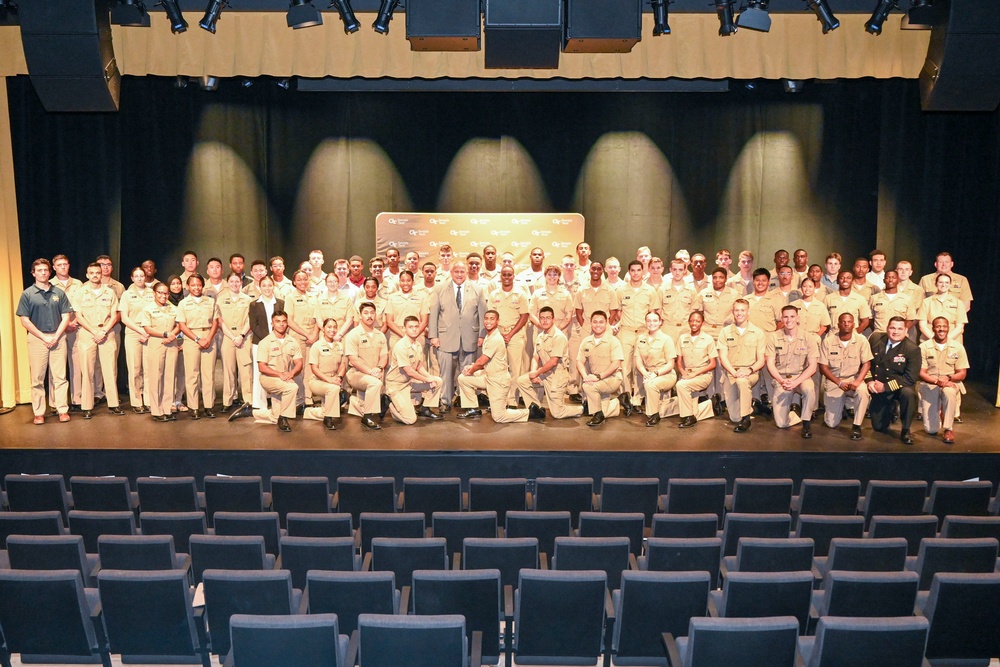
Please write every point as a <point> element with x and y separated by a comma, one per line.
<point>412,338</point>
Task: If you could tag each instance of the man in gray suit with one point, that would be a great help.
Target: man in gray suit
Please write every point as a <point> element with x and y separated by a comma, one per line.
<point>455,328</point>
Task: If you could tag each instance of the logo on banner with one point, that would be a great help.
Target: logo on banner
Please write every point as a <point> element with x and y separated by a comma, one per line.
<point>520,244</point>
<point>500,232</point>
<point>561,221</point>
<point>561,244</point>
<point>540,232</point>
<point>419,232</point>
<point>438,221</point>
<point>520,221</point>
<point>459,232</point>
<point>479,221</point>
<point>397,221</point>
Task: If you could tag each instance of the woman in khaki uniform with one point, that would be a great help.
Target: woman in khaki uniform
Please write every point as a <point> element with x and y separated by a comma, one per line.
<point>336,304</point>
<point>403,303</point>
<point>696,360</point>
<point>134,300</point>
<point>654,361</point>
<point>237,360</point>
<point>329,366</point>
<point>301,309</point>
<point>198,317</point>
<point>159,324</point>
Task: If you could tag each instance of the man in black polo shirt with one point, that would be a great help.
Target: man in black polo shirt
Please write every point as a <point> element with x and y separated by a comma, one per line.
<point>44,311</point>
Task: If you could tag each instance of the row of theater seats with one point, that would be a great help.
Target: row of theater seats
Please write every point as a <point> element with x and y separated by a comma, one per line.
<point>355,495</point>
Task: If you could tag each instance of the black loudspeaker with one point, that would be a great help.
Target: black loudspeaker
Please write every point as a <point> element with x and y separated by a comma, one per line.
<point>962,70</point>
<point>602,26</point>
<point>71,61</point>
<point>443,25</point>
<point>523,34</point>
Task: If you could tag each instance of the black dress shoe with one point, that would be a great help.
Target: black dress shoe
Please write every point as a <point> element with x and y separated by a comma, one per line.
<point>300,410</point>
<point>483,400</point>
<point>88,414</point>
<point>426,412</point>
<point>116,410</point>
<point>160,418</point>
<point>384,403</point>
<point>471,413</point>
<point>171,417</point>
<point>743,426</point>
<point>328,423</point>
<point>283,425</point>
<point>906,438</point>
<point>688,422</point>
<point>716,405</point>
<point>855,433</point>
<point>597,419</point>
<point>209,413</point>
<point>626,401</point>
<point>137,409</point>
<point>654,419</point>
<point>225,409</point>
<point>445,407</point>
<point>75,407</point>
<point>196,414</point>
<point>244,410</point>
<point>535,413</point>
<point>806,430</point>
<point>575,398</point>
<point>370,423</point>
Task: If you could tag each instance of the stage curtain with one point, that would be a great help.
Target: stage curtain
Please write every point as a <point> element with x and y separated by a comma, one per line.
<point>253,44</point>
<point>15,385</point>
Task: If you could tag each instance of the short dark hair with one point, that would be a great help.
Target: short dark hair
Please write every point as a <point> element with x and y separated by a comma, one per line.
<point>761,272</point>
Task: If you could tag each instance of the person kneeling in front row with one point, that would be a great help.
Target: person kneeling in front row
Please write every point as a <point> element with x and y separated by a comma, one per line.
<point>279,359</point>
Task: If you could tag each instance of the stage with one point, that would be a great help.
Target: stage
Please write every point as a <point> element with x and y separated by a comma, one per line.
<point>133,445</point>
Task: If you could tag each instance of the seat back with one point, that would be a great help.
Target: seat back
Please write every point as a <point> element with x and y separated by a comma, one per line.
<point>630,494</point>
<point>964,612</point>
<point>739,525</point>
<point>365,494</point>
<point>685,525</point>
<point>571,494</point>
<point>136,552</point>
<point>411,641</point>
<point>615,524</point>
<point>898,642</point>
<point>166,626</point>
<point>559,616</point>
<point>241,493</point>
<point>224,552</point>
<point>302,524</point>
<point>179,525</point>
<point>741,642</point>
<point>299,555</point>
<point>29,523</point>
<point>762,496</point>
<point>971,526</point>
<point>286,641</point>
<point>299,494</point>
<point>101,494</point>
<point>671,554</point>
<point>821,529</point>
<point>499,495</point>
<point>651,603</point>
<point>964,498</point>
<point>868,593</point>
<point>867,555</point>
<point>264,524</point>
<point>46,612</point>
<point>608,554</point>
<point>386,524</point>
<point>91,525</point>
<point>764,554</point>
<point>454,527</point>
<point>167,494</point>
<point>36,493</point>
<point>827,497</point>
<point>894,498</point>
<point>402,556</point>
<point>432,494</point>
<point>760,594</point>
<point>48,552</point>
<point>508,555</point>
<point>955,555</point>
<point>474,594</point>
<point>696,496</point>
<point>350,594</point>
<point>545,526</point>
<point>912,528</point>
<point>229,592</point>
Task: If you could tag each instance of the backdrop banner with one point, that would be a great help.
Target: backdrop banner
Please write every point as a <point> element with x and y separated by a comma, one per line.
<point>555,233</point>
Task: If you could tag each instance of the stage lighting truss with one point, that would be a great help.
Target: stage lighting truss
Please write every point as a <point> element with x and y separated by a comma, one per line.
<point>724,8</point>
<point>755,16</point>
<point>212,13</point>
<point>881,13</point>
<point>302,14</point>
<point>660,25</point>
<point>824,15</point>
<point>343,7</point>
<point>385,10</point>
<point>173,11</point>
<point>130,13</point>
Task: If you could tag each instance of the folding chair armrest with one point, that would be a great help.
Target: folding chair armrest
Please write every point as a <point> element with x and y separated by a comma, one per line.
<point>723,568</point>
<point>404,601</point>
<point>670,644</point>
<point>228,662</point>
<point>352,650</point>
<point>277,562</point>
<point>713,609</point>
<point>609,606</point>
<point>399,501</point>
<point>595,502</point>
<point>529,500</point>
<point>465,501</point>
<point>543,560</point>
<point>304,602</point>
<point>456,561</point>
<point>335,500</point>
<point>477,648</point>
<point>366,564</point>
<point>633,563</point>
<point>508,603</point>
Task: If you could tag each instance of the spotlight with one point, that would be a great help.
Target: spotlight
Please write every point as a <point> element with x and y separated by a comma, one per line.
<point>177,22</point>
<point>343,7</point>
<point>208,82</point>
<point>920,16</point>
<point>660,25</point>
<point>725,10</point>
<point>301,14</point>
<point>180,82</point>
<point>7,9</point>
<point>755,16</point>
<point>246,83</point>
<point>385,10</point>
<point>881,13</point>
<point>793,85</point>
<point>130,12</point>
<point>284,84</point>
<point>824,15</point>
<point>212,13</point>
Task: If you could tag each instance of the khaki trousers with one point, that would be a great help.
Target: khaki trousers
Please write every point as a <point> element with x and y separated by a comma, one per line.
<point>402,408</point>
<point>631,384</point>
<point>738,393</point>
<point>517,362</point>
<point>199,373</point>
<point>285,392</point>
<point>237,364</point>
<point>303,378</point>
<point>655,388</point>
<point>603,395</point>
<point>497,389</point>
<point>41,360</point>
<point>137,393</point>
<point>371,387</point>
<point>552,391</point>
<point>88,352</point>
<point>835,406</point>
<point>330,393</point>
<point>781,402</point>
<point>72,374</point>
<point>938,406</point>
<point>159,364</point>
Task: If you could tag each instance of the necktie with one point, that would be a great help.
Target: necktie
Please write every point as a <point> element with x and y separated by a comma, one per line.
<point>458,297</point>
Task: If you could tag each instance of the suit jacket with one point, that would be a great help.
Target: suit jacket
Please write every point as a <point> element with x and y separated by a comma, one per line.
<point>259,326</point>
<point>897,369</point>
<point>457,331</point>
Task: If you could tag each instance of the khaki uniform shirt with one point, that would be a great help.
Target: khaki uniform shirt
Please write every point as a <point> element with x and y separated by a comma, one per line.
<point>301,309</point>
<point>589,299</point>
<point>742,350</point>
<point>959,286</point>
<point>656,350</point>
<point>496,350</point>
<point>560,301</point>
<point>867,291</point>
<point>235,312</point>
<point>158,318</point>
<point>552,344</point>
<point>327,356</point>
<point>766,310</point>
<point>380,307</point>
<point>511,305</point>
<point>675,306</point>
<point>742,288</point>
<point>843,360</point>
<point>947,307</point>
<point>792,355</point>
<point>855,304</point>
<point>132,303</point>
<point>599,354</point>
<point>199,313</point>
<point>884,306</point>
<point>785,298</point>
<point>400,305</point>
<point>119,289</point>
<point>717,307</point>
<point>339,307</point>
<point>696,351</point>
<point>98,307</point>
<point>813,315</point>
<point>368,346</point>
<point>403,354</point>
<point>636,304</point>
<point>279,353</point>
<point>940,362</point>
<point>912,291</point>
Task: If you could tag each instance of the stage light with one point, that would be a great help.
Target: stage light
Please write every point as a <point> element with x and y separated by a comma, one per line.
<point>725,10</point>
<point>180,82</point>
<point>246,82</point>
<point>824,15</point>
<point>177,22</point>
<point>660,25</point>
<point>920,16</point>
<point>212,13</point>
<point>881,13</point>
<point>208,82</point>
<point>301,14</point>
<point>793,85</point>
<point>385,10</point>
<point>130,13</point>
<point>8,8</point>
<point>755,16</point>
<point>343,8</point>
